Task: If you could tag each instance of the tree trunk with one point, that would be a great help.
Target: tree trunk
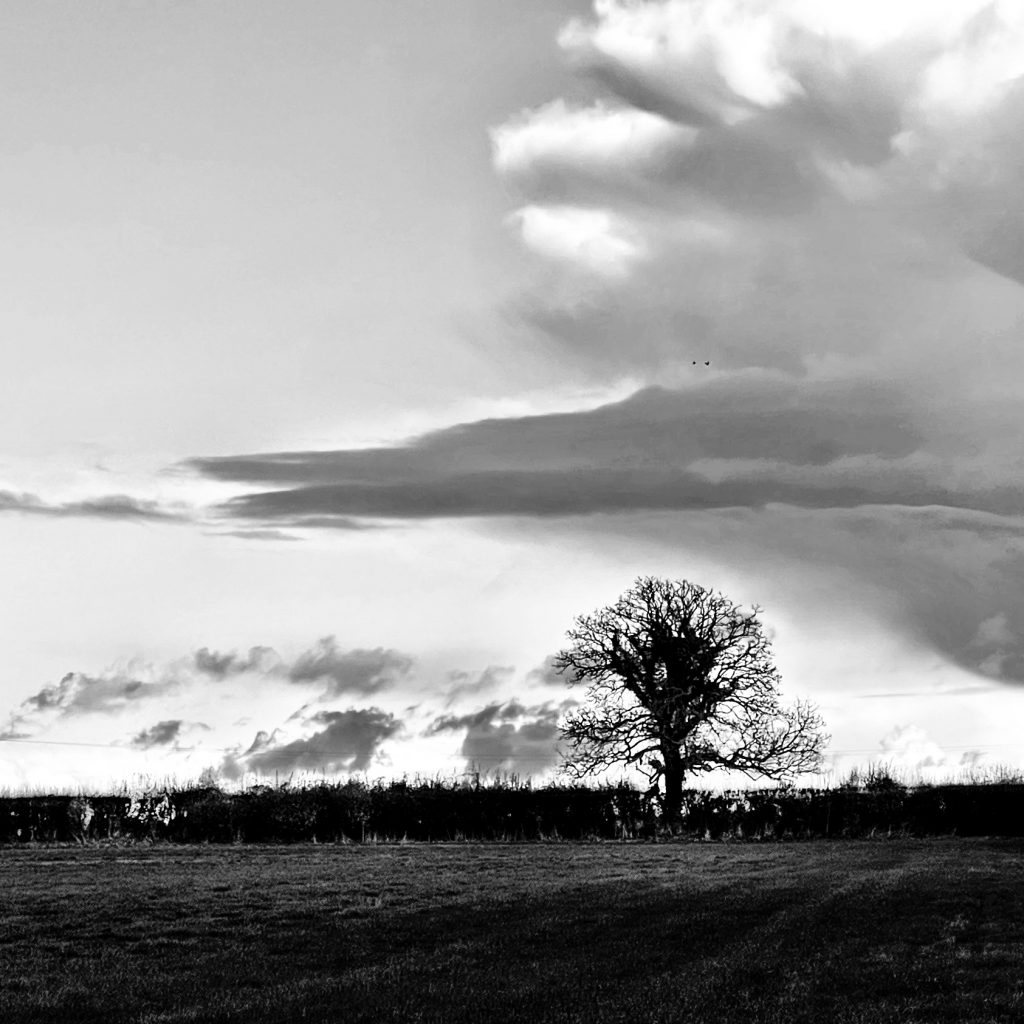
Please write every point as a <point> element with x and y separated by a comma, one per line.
<point>672,804</point>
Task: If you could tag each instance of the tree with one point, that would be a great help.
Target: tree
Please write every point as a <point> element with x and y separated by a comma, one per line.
<point>681,681</point>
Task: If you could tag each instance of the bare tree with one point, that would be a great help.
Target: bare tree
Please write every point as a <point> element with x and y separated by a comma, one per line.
<point>680,681</point>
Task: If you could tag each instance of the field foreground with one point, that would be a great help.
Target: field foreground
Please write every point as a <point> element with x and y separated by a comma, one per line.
<point>856,931</point>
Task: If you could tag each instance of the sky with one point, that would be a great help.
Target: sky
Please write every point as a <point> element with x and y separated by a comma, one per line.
<point>352,350</point>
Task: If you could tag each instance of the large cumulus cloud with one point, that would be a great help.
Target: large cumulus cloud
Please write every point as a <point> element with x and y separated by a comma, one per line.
<point>803,186</point>
<point>798,226</point>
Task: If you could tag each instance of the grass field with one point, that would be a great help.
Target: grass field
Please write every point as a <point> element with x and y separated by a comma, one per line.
<point>904,930</point>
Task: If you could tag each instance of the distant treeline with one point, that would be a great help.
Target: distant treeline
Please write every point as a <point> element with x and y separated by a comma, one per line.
<point>432,810</point>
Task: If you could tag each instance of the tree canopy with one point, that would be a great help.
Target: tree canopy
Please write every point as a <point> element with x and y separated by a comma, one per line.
<point>680,681</point>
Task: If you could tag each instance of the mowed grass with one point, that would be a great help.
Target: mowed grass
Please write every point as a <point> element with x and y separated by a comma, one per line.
<point>903,930</point>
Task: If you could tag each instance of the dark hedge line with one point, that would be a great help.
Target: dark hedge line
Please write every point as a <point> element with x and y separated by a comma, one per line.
<point>432,811</point>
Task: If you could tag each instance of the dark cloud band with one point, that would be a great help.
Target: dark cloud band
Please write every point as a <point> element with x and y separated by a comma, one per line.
<point>741,442</point>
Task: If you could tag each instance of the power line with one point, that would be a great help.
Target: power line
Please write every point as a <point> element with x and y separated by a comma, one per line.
<point>217,750</point>
<point>102,746</point>
<point>491,758</point>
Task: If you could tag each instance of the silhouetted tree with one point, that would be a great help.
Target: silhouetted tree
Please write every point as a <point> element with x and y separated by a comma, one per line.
<point>680,681</point>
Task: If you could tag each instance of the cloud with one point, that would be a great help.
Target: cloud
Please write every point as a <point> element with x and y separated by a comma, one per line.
<point>325,666</point>
<point>594,238</point>
<point>993,631</point>
<point>999,645</point>
<point>506,736</point>
<point>338,671</point>
<point>111,506</point>
<point>560,151</point>
<point>78,693</point>
<point>955,691</point>
<point>259,535</point>
<point>754,416</point>
<point>548,675</point>
<point>926,577</point>
<point>348,742</point>
<point>909,747</point>
<point>220,665</point>
<point>921,513</point>
<point>803,189</point>
<point>822,202</point>
<point>462,683</point>
<point>328,522</point>
<point>113,694</point>
<point>740,441</point>
<point>356,671</point>
<point>163,733</point>
<point>158,735</point>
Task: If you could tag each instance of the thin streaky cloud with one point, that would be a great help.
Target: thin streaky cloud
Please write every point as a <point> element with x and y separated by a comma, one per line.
<point>959,691</point>
<point>110,506</point>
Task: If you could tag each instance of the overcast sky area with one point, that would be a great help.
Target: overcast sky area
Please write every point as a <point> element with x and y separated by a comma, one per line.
<point>351,350</point>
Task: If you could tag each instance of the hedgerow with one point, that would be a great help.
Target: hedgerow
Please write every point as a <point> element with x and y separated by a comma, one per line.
<point>434,810</point>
